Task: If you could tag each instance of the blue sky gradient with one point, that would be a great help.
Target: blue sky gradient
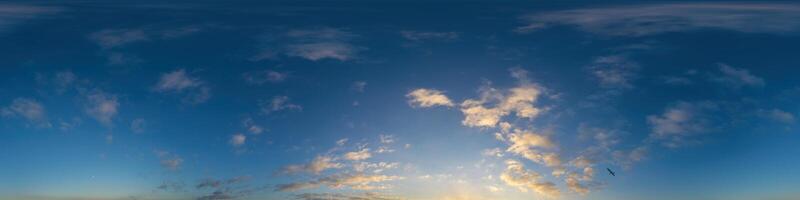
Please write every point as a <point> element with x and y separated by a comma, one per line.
<point>358,100</point>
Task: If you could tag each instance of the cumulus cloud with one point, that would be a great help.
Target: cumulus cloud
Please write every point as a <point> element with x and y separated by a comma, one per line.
<point>530,145</point>
<point>517,176</point>
<point>641,20</point>
<point>736,77</point>
<point>29,109</point>
<point>358,155</point>
<point>279,103</point>
<point>101,106</point>
<point>494,104</point>
<point>319,164</point>
<point>193,89</point>
<point>264,76</point>
<point>314,45</point>
<point>424,98</point>
<point>676,126</point>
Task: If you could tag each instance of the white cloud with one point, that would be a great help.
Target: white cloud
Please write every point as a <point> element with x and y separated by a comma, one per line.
<point>237,140</point>
<point>736,77</point>
<point>102,106</point>
<point>29,109</point>
<point>641,20</point>
<point>358,155</point>
<point>427,98</point>
<point>261,77</point>
<point>279,103</point>
<point>519,100</point>
<point>516,175</point>
<point>676,126</point>
<point>194,90</point>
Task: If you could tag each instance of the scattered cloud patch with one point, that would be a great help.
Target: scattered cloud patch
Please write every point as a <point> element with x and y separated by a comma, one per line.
<point>29,109</point>
<point>677,125</point>
<point>264,76</point>
<point>517,176</point>
<point>169,161</point>
<point>736,77</point>
<point>319,164</point>
<point>102,106</point>
<point>194,90</point>
<point>424,98</point>
<point>279,103</point>
<point>614,72</point>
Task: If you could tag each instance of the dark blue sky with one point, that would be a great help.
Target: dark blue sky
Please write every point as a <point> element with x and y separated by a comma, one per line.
<point>348,100</point>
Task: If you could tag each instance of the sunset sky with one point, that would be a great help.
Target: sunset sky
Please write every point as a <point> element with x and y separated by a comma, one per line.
<point>391,100</point>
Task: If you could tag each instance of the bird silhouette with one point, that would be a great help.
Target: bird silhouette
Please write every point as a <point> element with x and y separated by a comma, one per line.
<point>611,172</point>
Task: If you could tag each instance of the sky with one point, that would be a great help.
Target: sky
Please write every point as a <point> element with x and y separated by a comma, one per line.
<point>357,100</point>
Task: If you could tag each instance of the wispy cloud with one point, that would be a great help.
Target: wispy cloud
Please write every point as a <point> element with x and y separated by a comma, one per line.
<point>677,125</point>
<point>29,109</point>
<point>313,44</point>
<point>169,161</point>
<point>264,76</point>
<point>736,77</point>
<point>193,89</point>
<point>13,14</point>
<point>319,164</point>
<point>649,19</point>
<point>279,103</point>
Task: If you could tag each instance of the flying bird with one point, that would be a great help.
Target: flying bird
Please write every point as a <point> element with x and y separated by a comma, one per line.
<point>611,172</point>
